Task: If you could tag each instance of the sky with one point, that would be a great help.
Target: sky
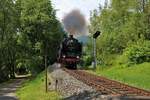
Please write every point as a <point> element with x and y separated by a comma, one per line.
<point>85,6</point>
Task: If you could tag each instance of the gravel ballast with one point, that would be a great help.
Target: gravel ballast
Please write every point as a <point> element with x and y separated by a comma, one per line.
<point>69,87</point>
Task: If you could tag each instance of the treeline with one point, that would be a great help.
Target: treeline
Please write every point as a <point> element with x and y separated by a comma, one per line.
<point>125,27</point>
<point>29,33</point>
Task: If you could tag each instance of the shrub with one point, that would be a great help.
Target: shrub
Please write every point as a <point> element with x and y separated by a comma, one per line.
<point>138,53</point>
<point>87,60</point>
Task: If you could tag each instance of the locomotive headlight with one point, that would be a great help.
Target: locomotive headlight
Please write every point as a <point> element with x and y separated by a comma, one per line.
<point>78,57</point>
<point>64,56</point>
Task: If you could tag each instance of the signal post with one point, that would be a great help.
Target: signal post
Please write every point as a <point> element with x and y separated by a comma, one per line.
<point>94,48</point>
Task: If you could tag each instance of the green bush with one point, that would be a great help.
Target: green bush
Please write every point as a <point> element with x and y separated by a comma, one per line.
<point>87,60</point>
<point>138,53</point>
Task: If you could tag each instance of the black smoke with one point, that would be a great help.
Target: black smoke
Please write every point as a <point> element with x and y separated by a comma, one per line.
<point>75,23</point>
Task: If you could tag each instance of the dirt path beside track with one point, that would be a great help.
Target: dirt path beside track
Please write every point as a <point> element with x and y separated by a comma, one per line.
<point>7,90</point>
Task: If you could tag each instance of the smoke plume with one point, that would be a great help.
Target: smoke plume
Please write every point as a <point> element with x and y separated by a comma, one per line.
<point>75,23</point>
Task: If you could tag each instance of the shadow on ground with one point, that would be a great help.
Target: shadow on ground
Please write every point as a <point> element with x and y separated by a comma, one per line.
<point>7,98</point>
<point>7,90</point>
<point>98,96</point>
<point>86,95</point>
<point>11,87</point>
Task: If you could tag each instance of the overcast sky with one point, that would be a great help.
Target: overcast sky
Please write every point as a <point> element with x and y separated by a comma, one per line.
<point>85,6</point>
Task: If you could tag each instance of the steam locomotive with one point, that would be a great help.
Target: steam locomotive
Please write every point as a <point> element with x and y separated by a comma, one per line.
<point>70,52</point>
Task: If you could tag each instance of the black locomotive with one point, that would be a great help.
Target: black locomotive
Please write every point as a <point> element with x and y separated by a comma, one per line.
<point>70,52</point>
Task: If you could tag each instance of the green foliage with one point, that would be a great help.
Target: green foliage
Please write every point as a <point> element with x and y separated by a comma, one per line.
<point>29,31</point>
<point>139,52</point>
<point>8,27</point>
<point>122,23</point>
<point>40,34</point>
<point>87,60</point>
<point>87,56</point>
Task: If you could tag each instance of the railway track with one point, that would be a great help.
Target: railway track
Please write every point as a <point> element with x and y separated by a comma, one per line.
<point>107,86</point>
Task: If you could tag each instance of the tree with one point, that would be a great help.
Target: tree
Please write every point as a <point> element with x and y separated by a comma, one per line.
<point>7,38</point>
<point>29,31</point>
<point>123,23</point>
<point>42,28</point>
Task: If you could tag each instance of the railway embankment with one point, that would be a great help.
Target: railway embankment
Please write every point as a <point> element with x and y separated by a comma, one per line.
<point>137,75</point>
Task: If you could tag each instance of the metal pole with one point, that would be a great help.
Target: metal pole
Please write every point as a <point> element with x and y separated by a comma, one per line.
<point>94,53</point>
<point>46,85</point>
<point>94,48</point>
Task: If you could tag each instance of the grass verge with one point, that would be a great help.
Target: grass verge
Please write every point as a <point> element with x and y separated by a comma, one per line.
<point>35,90</point>
<point>136,75</point>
